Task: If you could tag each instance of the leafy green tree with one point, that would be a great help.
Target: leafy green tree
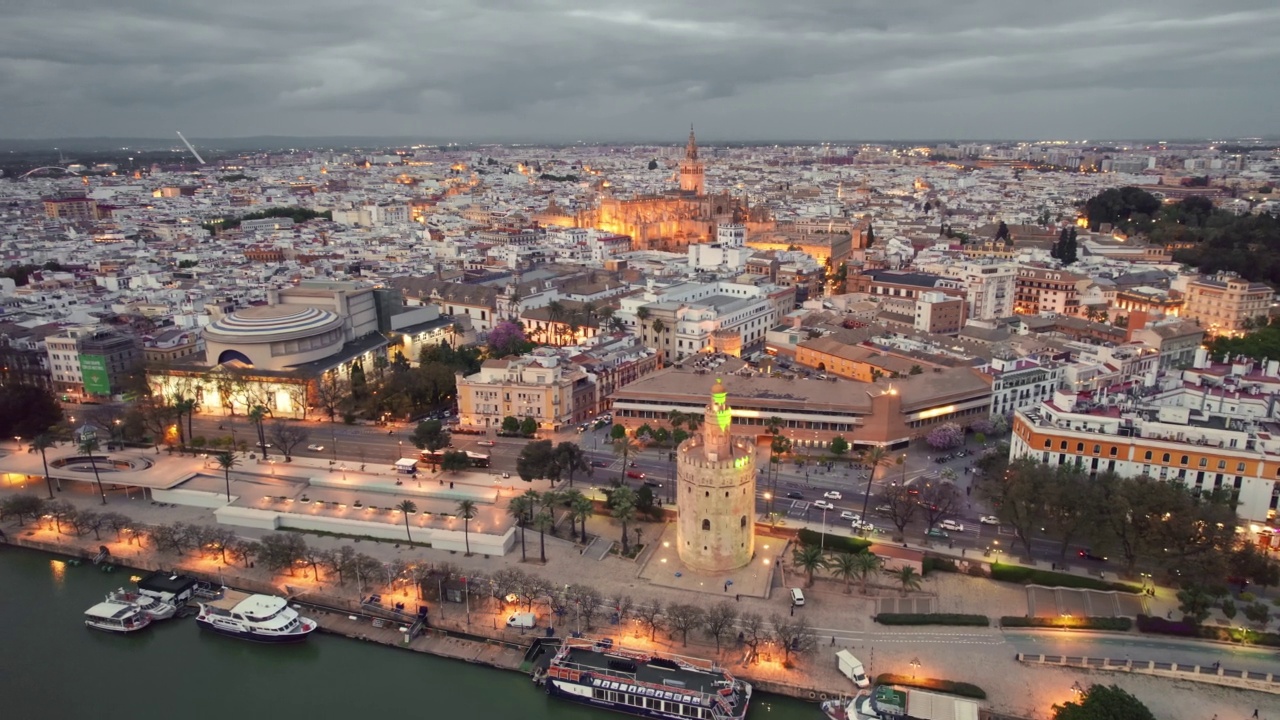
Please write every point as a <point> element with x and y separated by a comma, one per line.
<point>528,426</point>
<point>809,559</point>
<point>537,460</point>
<point>1103,702</point>
<point>1194,603</point>
<point>511,425</point>
<point>1002,231</point>
<point>1018,495</point>
<point>839,446</point>
<point>455,461</point>
<point>1258,613</point>
<point>430,435</point>
<point>617,432</point>
<point>27,411</point>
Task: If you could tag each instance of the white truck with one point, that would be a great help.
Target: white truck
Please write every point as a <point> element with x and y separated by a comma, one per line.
<point>523,620</point>
<point>851,667</point>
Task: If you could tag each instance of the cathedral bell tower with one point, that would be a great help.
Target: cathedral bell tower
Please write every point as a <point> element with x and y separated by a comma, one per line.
<point>692,179</point>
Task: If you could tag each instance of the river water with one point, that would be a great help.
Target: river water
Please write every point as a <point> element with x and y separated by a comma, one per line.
<point>52,666</point>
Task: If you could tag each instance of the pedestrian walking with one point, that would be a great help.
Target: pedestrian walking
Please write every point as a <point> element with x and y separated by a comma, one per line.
<point>1255,712</point>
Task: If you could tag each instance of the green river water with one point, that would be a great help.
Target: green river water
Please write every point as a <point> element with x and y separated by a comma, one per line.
<point>52,666</point>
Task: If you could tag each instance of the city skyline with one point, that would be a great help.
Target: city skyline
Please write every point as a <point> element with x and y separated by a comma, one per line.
<point>566,71</point>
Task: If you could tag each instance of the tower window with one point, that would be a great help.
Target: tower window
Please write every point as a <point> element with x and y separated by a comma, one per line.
<point>743,521</point>
<point>706,524</point>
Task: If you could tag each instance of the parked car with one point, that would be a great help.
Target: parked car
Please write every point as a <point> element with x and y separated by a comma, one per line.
<point>850,515</point>
<point>635,474</point>
<point>1088,554</point>
<point>952,525</point>
<point>506,475</point>
<point>315,448</point>
<point>485,443</point>
<point>795,495</point>
<point>823,505</point>
<point>989,520</point>
<point>937,533</point>
<point>833,495</point>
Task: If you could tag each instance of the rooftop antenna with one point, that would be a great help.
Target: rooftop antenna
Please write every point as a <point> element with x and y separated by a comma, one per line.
<point>192,149</point>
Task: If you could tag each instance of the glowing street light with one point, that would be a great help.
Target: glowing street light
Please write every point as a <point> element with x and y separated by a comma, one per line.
<point>915,665</point>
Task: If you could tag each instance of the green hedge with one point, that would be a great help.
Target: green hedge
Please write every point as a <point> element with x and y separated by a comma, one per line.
<point>1187,628</point>
<point>1032,576</point>
<point>936,564</point>
<point>962,689</point>
<point>1119,624</point>
<point>833,543</point>
<point>931,619</point>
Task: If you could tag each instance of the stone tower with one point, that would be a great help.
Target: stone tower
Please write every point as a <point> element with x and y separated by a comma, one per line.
<point>716,493</point>
<point>691,170</point>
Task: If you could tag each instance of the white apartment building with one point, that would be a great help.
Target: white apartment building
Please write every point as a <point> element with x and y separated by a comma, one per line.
<point>688,318</point>
<point>989,289</point>
<point>1020,383</point>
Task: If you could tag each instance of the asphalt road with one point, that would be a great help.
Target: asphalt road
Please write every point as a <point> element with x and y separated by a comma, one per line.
<point>372,444</point>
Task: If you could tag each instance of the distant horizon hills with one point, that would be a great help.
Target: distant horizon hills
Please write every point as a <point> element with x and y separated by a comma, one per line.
<point>286,142</point>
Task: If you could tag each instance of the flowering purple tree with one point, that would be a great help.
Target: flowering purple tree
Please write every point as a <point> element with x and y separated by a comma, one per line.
<point>506,338</point>
<point>983,425</point>
<point>945,437</point>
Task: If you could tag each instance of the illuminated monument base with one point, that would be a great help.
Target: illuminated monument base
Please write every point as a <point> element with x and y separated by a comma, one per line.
<point>716,493</point>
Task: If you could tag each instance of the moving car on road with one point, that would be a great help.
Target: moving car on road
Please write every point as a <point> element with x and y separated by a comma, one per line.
<point>485,443</point>
<point>599,463</point>
<point>833,495</point>
<point>950,524</point>
<point>315,448</point>
<point>989,520</point>
<point>635,474</point>
<point>795,495</point>
<point>850,515</point>
<point>937,533</point>
<point>823,505</point>
<point>1088,554</point>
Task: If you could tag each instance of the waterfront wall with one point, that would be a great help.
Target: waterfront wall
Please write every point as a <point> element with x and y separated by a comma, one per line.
<point>1262,682</point>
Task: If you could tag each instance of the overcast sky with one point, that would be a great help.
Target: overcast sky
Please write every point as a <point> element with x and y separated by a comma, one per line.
<point>561,70</point>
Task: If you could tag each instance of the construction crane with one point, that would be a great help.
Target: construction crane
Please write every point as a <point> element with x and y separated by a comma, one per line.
<point>192,149</point>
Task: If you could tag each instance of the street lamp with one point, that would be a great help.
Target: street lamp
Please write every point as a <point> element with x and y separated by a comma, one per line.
<point>768,496</point>
<point>401,450</point>
<point>18,439</point>
<point>915,665</point>
<point>1076,690</point>
<point>822,544</point>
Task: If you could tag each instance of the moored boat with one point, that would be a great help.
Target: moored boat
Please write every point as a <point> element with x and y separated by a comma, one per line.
<point>644,683</point>
<point>113,616</point>
<point>154,607</point>
<point>261,618</point>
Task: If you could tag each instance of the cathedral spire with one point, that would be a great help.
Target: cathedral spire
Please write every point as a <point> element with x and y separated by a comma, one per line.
<point>691,151</point>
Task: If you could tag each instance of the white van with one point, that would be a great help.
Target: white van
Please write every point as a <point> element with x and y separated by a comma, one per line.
<point>797,596</point>
<point>851,667</point>
<point>524,621</point>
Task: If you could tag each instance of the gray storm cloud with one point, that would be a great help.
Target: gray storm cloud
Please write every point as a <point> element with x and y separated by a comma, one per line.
<point>580,69</point>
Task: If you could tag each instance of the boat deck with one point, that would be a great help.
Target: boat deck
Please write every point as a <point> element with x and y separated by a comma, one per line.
<point>647,672</point>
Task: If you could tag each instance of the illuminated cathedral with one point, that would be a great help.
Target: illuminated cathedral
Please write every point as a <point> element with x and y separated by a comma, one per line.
<point>671,220</point>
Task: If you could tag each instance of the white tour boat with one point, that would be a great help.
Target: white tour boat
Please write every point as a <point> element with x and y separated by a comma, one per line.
<point>112,616</point>
<point>261,618</point>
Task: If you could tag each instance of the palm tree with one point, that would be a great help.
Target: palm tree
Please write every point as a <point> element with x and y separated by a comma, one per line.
<point>519,509</point>
<point>455,329</point>
<point>875,457</point>
<point>582,508</point>
<point>227,460</point>
<point>257,414</point>
<point>407,508</point>
<point>642,316</point>
<point>43,442</point>
<point>658,327</point>
<point>810,559</point>
<point>624,511</point>
<point>675,418</point>
<point>867,565</point>
<point>908,578</point>
<point>623,447</point>
<point>466,511</point>
<point>89,446</point>
<point>543,521</point>
<point>555,311</point>
<point>844,565</point>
